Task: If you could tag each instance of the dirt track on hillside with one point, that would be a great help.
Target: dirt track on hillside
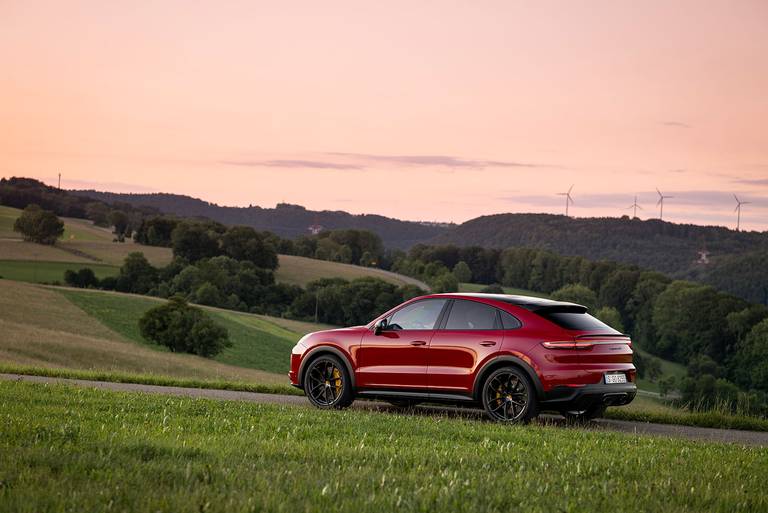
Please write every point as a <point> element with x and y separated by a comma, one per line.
<point>755,438</point>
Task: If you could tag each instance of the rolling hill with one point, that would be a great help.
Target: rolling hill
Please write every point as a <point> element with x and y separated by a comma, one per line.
<point>285,219</point>
<point>97,330</point>
<point>671,248</point>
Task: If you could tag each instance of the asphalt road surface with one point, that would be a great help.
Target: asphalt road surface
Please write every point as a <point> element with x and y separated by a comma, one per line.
<point>755,438</point>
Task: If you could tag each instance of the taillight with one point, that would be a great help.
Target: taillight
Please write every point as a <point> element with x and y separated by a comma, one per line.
<point>567,344</point>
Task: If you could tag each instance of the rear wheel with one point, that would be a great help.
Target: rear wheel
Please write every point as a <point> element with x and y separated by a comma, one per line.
<point>327,383</point>
<point>508,396</point>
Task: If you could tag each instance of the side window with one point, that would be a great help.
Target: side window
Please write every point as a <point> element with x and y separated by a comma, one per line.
<point>421,315</point>
<point>471,315</point>
<point>509,321</point>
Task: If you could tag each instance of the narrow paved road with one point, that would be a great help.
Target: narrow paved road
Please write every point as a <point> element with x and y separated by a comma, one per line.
<point>755,438</point>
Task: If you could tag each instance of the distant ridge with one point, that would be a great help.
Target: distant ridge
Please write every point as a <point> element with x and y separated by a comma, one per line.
<point>285,219</point>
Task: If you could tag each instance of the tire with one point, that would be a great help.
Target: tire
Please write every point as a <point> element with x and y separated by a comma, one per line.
<point>508,396</point>
<point>327,383</point>
<point>593,412</point>
<point>403,403</point>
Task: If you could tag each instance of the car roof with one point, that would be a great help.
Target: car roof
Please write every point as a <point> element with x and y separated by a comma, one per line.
<point>528,302</point>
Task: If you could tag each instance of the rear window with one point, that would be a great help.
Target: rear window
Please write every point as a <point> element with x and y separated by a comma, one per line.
<point>578,321</point>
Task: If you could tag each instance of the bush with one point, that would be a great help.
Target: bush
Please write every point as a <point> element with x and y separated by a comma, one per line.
<point>183,329</point>
<point>84,278</point>
<point>493,289</point>
<point>462,272</point>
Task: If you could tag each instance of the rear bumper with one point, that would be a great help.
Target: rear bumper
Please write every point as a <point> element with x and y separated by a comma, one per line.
<point>582,398</point>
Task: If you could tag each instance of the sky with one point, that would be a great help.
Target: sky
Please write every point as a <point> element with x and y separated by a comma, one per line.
<point>418,110</point>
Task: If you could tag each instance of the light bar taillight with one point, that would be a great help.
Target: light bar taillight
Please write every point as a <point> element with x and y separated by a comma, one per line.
<point>583,343</point>
<point>567,344</point>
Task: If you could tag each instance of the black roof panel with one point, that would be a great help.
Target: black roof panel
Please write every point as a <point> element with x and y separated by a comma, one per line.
<point>528,302</point>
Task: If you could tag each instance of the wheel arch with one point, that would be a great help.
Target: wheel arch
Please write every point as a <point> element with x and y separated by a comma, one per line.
<point>318,351</point>
<point>506,361</point>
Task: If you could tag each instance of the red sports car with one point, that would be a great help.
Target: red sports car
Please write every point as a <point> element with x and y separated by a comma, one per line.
<point>514,355</point>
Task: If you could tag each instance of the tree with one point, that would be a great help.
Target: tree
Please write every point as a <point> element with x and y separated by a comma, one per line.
<point>84,278</point>
<point>462,272</point>
<point>611,317</point>
<point>209,294</point>
<point>136,275</point>
<point>38,225</point>
<point>98,213</point>
<point>194,241</point>
<point>750,363</point>
<point>120,222</point>
<point>576,293</point>
<point>183,329</point>
<point>245,243</point>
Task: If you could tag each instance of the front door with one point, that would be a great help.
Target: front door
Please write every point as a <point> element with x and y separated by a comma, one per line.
<point>397,357</point>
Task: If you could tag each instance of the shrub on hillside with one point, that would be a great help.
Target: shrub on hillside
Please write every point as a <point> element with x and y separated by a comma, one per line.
<point>84,278</point>
<point>38,225</point>
<point>576,293</point>
<point>493,289</point>
<point>183,329</point>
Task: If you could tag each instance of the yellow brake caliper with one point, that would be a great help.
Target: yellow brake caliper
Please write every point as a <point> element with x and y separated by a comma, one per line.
<point>337,380</point>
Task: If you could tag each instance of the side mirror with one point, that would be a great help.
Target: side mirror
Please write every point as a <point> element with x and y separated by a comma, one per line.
<point>380,326</point>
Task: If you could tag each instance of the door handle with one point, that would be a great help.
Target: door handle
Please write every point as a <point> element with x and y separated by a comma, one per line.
<point>418,343</point>
<point>487,343</point>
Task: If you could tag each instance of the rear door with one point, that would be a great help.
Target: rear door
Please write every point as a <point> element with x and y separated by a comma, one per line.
<point>397,358</point>
<point>470,333</point>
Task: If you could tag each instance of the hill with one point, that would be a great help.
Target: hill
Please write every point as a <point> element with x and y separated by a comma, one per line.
<point>285,219</point>
<point>96,330</point>
<point>86,245</point>
<point>671,248</point>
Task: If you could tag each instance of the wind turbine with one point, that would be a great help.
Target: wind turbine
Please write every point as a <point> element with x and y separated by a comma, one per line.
<point>739,203</point>
<point>568,199</point>
<point>660,203</point>
<point>635,206</point>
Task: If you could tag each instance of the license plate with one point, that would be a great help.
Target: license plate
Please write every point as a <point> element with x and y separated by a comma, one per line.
<point>615,378</point>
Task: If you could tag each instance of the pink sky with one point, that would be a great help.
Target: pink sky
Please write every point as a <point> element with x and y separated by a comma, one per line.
<point>418,110</point>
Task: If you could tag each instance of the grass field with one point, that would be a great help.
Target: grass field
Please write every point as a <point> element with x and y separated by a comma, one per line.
<point>85,450</point>
<point>477,287</point>
<point>300,271</point>
<point>49,272</point>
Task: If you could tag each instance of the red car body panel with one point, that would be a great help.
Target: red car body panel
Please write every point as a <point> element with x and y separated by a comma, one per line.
<point>451,362</point>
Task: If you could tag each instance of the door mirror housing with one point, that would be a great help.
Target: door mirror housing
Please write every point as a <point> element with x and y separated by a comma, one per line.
<point>381,325</point>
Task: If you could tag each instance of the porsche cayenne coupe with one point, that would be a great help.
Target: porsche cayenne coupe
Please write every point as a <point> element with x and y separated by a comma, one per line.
<point>512,355</point>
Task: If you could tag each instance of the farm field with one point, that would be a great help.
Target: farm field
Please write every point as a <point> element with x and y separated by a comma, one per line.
<point>301,270</point>
<point>94,330</point>
<point>49,272</point>
<point>97,450</point>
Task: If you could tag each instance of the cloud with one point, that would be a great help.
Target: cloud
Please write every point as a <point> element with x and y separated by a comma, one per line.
<point>436,160</point>
<point>758,181</point>
<point>313,164</point>
<point>677,124</point>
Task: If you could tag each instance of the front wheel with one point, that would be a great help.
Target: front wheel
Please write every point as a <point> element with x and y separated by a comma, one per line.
<point>327,383</point>
<point>508,396</point>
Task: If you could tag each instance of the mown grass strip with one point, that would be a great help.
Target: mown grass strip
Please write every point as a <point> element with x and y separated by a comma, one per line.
<point>718,420</point>
<point>149,379</point>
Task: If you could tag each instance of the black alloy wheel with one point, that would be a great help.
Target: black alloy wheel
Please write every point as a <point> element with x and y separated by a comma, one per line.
<point>327,383</point>
<point>508,396</point>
